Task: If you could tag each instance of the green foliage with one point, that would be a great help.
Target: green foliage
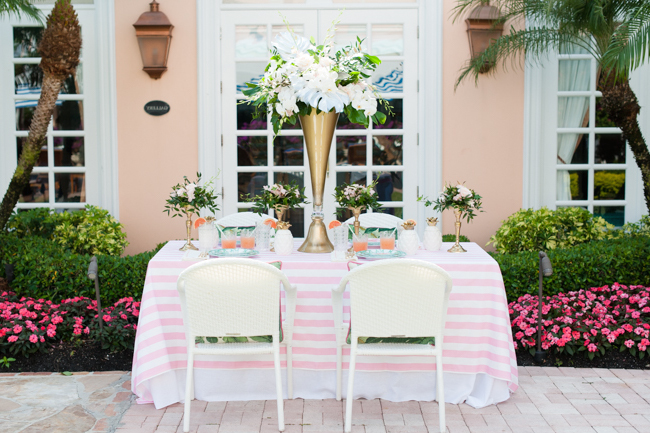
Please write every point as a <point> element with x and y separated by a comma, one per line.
<point>277,195</point>
<point>607,184</point>
<point>89,231</point>
<point>592,264</point>
<point>190,197</point>
<point>6,362</point>
<point>44,269</point>
<point>639,228</point>
<point>457,197</point>
<point>544,229</point>
<point>452,238</point>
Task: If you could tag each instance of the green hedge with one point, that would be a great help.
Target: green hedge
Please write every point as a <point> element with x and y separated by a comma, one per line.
<point>43,269</point>
<point>625,260</point>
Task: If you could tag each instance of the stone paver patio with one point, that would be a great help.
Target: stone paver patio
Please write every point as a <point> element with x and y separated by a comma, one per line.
<point>549,399</point>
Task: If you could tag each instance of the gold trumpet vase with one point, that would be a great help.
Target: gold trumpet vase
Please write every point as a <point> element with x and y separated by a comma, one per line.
<point>188,244</point>
<point>318,130</point>
<point>456,248</point>
<point>356,211</point>
<point>280,210</point>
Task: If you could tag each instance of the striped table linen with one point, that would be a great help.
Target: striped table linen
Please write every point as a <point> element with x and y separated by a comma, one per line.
<point>479,359</point>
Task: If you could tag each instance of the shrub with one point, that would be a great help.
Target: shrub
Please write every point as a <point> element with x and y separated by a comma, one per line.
<point>452,238</point>
<point>592,321</point>
<point>44,269</point>
<point>544,229</point>
<point>30,325</point>
<point>592,264</point>
<point>89,231</point>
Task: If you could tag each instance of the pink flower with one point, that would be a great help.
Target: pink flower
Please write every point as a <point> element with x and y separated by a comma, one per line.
<point>33,338</point>
<point>592,348</point>
<point>107,318</point>
<point>627,327</point>
<point>12,339</point>
<point>629,343</point>
<point>611,338</point>
<point>17,329</point>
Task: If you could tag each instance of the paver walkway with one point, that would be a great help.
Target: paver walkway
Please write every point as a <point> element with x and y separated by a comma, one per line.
<point>562,400</point>
<point>565,400</point>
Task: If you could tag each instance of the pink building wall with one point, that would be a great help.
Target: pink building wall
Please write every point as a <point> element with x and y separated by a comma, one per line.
<point>482,135</point>
<point>155,152</point>
<point>482,129</point>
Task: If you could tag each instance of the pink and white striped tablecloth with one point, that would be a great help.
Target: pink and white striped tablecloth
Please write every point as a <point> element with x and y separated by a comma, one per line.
<point>479,359</point>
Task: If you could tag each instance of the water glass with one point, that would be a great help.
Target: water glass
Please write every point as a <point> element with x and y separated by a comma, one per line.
<point>387,240</point>
<point>360,242</point>
<point>229,239</point>
<point>208,237</point>
<point>340,237</point>
<point>263,237</point>
<point>247,239</point>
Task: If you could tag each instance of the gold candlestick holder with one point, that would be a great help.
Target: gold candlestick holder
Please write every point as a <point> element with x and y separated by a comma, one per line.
<point>457,248</point>
<point>356,211</point>
<point>188,244</point>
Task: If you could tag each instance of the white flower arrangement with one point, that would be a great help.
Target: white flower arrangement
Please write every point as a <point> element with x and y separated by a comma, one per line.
<point>302,75</point>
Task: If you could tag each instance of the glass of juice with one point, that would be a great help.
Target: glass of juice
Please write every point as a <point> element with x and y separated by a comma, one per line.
<point>247,239</point>
<point>360,242</point>
<point>229,239</point>
<point>387,240</point>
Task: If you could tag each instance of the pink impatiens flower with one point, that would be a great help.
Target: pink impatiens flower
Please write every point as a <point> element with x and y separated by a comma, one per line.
<point>629,343</point>
<point>12,339</point>
<point>592,348</point>
<point>33,338</point>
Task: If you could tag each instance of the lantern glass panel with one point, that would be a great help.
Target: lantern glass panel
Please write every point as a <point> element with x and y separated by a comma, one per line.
<point>154,50</point>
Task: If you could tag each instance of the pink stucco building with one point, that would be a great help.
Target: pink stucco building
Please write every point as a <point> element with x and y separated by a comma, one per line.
<point>525,137</point>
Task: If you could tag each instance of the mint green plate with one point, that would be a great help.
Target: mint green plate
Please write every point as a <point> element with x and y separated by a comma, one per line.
<point>233,252</point>
<point>380,254</point>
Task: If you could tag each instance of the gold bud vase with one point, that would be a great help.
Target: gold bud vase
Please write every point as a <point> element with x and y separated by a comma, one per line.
<point>457,248</point>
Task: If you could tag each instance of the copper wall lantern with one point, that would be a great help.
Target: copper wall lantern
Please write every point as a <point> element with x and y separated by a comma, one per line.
<point>483,26</point>
<point>154,33</point>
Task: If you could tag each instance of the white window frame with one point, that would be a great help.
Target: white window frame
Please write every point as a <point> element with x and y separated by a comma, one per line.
<point>431,18</point>
<point>100,113</point>
<point>540,139</point>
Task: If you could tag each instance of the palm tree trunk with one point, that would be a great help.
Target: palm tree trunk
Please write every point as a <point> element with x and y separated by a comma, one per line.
<point>622,106</point>
<point>32,149</point>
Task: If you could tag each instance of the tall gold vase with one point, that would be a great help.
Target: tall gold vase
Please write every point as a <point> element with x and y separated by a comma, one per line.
<point>318,130</point>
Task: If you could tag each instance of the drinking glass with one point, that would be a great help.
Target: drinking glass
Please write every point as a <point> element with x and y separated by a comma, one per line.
<point>229,239</point>
<point>208,237</point>
<point>360,242</point>
<point>340,237</point>
<point>387,240</point>
<point>247,239</point>
<point>263,236</point>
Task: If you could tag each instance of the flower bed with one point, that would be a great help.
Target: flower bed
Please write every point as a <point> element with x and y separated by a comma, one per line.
<point>28,325</point>
<point>593,321</point>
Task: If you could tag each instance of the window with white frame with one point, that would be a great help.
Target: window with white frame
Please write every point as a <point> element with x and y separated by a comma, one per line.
<point>574,155</point>
<point>78,158</point>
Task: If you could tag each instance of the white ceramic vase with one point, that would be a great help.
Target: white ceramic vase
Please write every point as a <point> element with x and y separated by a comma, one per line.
<point>432,236</point>
<point>409,242</point>
<point>283,242</point>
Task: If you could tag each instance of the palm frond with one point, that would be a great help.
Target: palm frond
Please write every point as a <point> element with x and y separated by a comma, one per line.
<point>520,47</point>
<point>20,8</point>
<point>629,46</point>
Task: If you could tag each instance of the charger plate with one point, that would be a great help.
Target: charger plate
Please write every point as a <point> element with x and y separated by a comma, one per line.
<point>380,254</point>
<point>233,252</point>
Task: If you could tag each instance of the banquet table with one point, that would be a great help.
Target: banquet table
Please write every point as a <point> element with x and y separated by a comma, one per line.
<point>478,354</point>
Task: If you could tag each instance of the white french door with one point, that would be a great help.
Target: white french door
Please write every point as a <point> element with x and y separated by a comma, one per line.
<point>386,153</point>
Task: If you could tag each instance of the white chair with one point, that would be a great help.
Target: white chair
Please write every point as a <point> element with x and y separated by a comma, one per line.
<point>392,298</point>
<point>236,297</point>
<point>377,219</point>
<point>241,219</point>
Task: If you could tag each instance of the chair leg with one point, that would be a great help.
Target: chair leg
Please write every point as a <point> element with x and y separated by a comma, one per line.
<point>290,371</point>
<point>278,385</point>
<point>189,379</point>
<point>440,393</point>
<point>350,395</point>
<point>339,361</point>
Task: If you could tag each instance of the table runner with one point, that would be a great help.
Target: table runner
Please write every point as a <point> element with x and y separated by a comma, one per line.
<point>479,359</point>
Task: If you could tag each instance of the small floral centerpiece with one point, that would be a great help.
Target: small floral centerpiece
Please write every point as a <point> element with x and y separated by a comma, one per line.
<point>302,75</point>
<point>189,198</point>
<point>462,200</point>
<point>279,197</point>
<point>356,198</point>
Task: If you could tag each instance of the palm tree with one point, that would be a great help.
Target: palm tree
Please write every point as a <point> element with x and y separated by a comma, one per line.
<point>59,49</point>
<point>615,32</point>
<point>19,8</point>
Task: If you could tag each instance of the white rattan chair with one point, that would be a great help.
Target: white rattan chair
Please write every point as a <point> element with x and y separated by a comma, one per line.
<point>236,297</point>
<point>377,219</point>
<point>392,298</point>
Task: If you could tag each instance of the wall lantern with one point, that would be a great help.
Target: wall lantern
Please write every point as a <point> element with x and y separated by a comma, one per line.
<point>154,32</point>
<point>483,26</point>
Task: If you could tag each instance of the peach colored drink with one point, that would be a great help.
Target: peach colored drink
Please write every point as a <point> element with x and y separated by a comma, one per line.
<point>360,245</point>
<point>387,243</point>
<point>228,243</point>
<point>248,243</point>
